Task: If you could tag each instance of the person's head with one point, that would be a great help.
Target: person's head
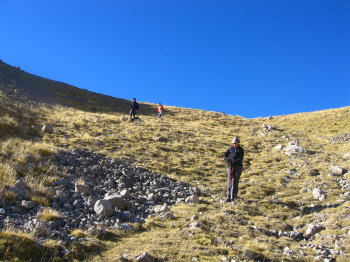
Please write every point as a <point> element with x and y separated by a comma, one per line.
<point>159,104</point>
<point>134,99</point>
<point>235,141</point>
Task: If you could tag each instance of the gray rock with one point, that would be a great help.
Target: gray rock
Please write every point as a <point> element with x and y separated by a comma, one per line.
<point>16,209</point>
<point>145,257</point>
<point>79,188</point>
<point>20,190</point>
<point>97,232</point>
<point>194,225</point>
<point>118,202</point>
<point>318,194</point>
<point>103,208</point>
<point>27,204</point>
<point>125,227</point>
<point>124,258</point>
<point>47,129</point>
<point>278,147</point>
<point>41,229</point>
<point>2,211</point>
<point>62,182</point>
<point>168,215</point>
<point>313,229</point>
<point>337,170</point>
<point>192,199</point>
<point>160,209</point>
<point>194,218</point>
<point>292,148</point>
<point>125,193</point>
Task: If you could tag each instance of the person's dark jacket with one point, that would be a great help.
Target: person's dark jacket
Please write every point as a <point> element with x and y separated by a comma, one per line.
<point>234,156</point>
<point>134,106</point>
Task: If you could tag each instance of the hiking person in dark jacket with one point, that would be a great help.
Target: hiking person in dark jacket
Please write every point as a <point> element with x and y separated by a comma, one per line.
<point>134,106</point>
<point>234,157</point>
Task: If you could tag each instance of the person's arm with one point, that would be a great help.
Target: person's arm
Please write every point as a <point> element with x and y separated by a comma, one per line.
<point>226,156</point>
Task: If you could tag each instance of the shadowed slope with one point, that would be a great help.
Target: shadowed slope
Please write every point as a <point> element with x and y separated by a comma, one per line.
<point>26,87</point>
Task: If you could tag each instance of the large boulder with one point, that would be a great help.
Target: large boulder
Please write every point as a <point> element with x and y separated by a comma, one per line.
<point>118,202</point>
<point>103,207</point>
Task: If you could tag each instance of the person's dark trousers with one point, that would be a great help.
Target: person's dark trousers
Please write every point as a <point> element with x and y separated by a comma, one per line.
<point>233,177</point>
<point>132,114</point>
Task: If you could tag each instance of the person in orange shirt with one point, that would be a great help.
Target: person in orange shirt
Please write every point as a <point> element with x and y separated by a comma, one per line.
<point>160,111</point>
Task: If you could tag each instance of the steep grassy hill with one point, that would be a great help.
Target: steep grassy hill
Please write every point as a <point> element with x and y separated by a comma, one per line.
<point>276,204</point>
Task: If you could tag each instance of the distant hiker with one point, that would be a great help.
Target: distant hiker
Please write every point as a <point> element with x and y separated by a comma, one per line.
<point>134,106</point>
<point>160,111</point>
<point>234,157</point>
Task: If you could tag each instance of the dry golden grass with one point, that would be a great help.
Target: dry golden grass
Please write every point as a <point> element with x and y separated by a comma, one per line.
<point>49,214</point>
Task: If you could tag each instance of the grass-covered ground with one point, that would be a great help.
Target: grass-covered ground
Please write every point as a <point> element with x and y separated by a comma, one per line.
<point>275,188</point>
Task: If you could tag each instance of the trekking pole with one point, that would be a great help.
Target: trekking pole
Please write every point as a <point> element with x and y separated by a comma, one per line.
<point>232,181</point>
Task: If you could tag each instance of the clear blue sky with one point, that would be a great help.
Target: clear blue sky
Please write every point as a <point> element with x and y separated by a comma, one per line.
<point>244,57</point>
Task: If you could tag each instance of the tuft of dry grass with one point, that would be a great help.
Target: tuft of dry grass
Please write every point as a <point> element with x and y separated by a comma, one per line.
<point>49,214</point>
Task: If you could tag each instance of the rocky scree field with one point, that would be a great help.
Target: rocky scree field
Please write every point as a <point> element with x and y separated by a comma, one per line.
<point>81,185</point>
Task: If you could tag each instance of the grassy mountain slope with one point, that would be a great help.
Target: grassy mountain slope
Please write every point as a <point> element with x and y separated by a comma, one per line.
<point>275,189</point>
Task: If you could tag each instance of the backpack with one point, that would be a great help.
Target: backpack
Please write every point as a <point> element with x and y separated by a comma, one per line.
<point>136,106</point>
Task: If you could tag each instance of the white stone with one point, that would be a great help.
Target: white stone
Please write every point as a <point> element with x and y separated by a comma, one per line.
<point>2,211</point>
<point>278,147</point>
<point>318,194</point>
<point>47,129</point>
<point>337,170</point>
<point>103,208</point>
<point>161,208</point>
<point>192,199</point>
<point>145,257</point>
<point>313,229</point>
